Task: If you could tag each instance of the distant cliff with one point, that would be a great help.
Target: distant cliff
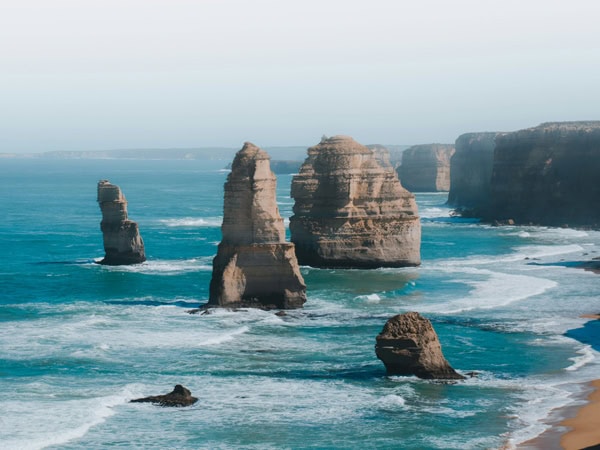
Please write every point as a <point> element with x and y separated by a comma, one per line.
<point>471,171</point>
<point>548,175</point>
<point>426,168</point>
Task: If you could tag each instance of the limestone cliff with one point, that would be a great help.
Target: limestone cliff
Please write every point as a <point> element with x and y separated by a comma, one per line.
<point>352,212</point>
<point>471,171</point>
<point>426,168</point>
<point>254,266</point>
<point>408,345</point>
<point>122,241</point>
<point>548,175</point>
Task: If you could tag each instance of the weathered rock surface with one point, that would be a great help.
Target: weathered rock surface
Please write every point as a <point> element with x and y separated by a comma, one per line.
<point>180,396</point>
<point>426,168</point>
<point>254,265</point>
<point>122,241</point>
<point>408,345</point>
<point>352,212</point>
<point>548,175</point>
<point>471,172</point>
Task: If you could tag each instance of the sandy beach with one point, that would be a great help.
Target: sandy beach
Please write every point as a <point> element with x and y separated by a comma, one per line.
<point>585,426</point>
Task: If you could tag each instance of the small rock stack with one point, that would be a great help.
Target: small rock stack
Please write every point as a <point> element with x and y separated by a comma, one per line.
<point>122,241</point>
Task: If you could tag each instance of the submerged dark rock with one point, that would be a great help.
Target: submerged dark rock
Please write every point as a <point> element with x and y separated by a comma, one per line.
<point>122,241</point>
<point>408,345</point>
<point>180,396</point>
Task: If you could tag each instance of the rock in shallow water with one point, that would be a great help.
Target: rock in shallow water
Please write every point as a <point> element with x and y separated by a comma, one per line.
<point>122,241</point>
<point>254,266</point>
<point>351,211</point>
<point>408,345</point>
<point>180,396</point>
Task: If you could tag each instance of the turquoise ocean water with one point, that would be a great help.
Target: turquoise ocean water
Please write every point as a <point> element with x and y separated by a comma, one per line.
<point>79,340</point>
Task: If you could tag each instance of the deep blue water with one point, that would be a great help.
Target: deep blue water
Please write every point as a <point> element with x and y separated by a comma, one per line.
<point>78,340</point>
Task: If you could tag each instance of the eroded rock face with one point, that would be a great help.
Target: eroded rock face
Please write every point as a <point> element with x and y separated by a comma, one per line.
<point>351,211</point>
<point>426,168</point>
<point>254,265</point>
<point>548,175</point>
<point>180,396</point>
<point>122,241</point>
<point>471,172</point>
<point>408,345</point>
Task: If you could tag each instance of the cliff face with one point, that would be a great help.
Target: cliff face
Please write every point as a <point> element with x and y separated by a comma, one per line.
<point>471,171</point>
<point>350,211</point>
<point>254,266</point>
<point>548,175</point>
<point>122,241</point>
<point>426,168</point>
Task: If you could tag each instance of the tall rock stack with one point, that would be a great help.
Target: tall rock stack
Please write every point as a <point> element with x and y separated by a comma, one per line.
<point>122,241</point>
<point>426,168</point>
<point>471,172</point>
<point>548,175</point>
<point>351,211</point>
<point>254,265</point>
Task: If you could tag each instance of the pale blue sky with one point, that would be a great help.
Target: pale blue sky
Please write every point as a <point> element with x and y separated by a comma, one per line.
<point>92,75</point>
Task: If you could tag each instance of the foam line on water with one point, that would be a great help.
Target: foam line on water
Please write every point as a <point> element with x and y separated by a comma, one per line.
<point>192,222</point>
<point>164,267</point>
<point>497,290</point>
<point>57,422</point>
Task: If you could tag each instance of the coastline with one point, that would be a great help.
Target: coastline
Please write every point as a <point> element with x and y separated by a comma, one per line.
<point>585,426</point>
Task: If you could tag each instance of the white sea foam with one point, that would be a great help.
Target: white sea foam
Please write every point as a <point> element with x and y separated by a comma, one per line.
<point>224,337</point>
<point>392,401</point>
<point>497,290</point>
<point>586,356</point>
<point>165,267</point>
<point>53,421</point>
<point>434,212</point>
<point>193,222</point>
<point>369,298</point>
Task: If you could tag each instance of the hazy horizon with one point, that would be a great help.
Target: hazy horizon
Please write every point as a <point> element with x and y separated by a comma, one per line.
<point>103,75</point>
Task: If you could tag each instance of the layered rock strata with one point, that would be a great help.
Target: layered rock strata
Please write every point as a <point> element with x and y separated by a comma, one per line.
<point>254,266</point>
<point>408,345</point>
<point>351,211</point>
<point>122,241</point>
<point>179,396</point>
<point>548,175</point>
<point>426,168</point>
<point>471,172</point>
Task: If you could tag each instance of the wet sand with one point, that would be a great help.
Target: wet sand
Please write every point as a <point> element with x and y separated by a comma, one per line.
<point>585,426</point>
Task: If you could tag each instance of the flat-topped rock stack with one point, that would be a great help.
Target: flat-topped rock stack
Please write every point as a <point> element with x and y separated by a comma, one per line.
<point>426,168</point>
<point>122,241</point>
<point>548,175</point>
<point>254,265</point>
<point>351,211</point>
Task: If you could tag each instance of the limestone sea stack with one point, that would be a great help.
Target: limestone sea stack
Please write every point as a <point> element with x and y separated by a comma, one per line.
<point>122,241</point>
<point>408,345</point>
<point>426,168</point>
<point>351,211</point>
<point>471,172</point>
<point>254,265</point>
<point>548,175</point>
